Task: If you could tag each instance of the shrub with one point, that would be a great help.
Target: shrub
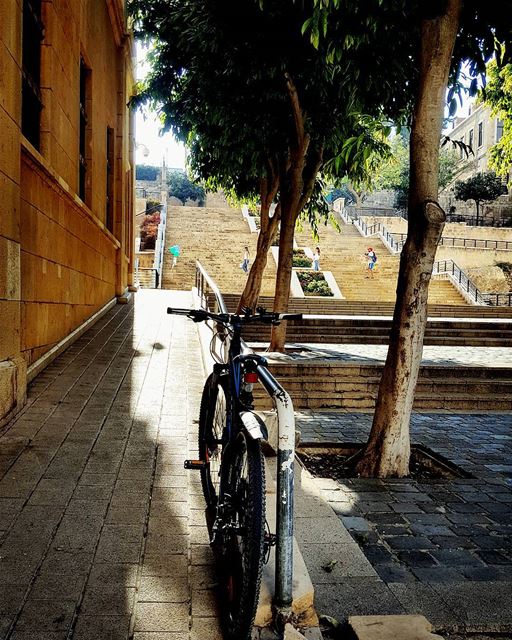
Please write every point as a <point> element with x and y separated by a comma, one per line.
<point>149,231</point>
<point>314,284</point>
<point>300,259</point>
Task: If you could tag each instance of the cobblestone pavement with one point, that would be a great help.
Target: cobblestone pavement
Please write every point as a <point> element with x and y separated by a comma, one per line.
<point>438,547</point>
<point>102,534</point>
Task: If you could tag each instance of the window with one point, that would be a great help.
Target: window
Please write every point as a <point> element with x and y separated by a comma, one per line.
<point>461,148</point>
<point>471,138</point>
<point>480,134</point>
<point>85,73</point>
<point>109,213</point>
<point>31,103</point>
<point>499,130</point>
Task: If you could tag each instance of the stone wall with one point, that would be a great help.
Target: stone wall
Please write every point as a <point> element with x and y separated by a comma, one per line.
<point>59,264</point>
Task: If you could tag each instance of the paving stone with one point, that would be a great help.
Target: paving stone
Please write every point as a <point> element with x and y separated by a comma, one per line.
<point>112,574</point>
<point>409,542</point>
<point>437,574</point>
<point>46,615</point>
<point>416,558</point>
<point>159,589</point>
<point>344,560</point>
<point>486,609</point>
<point>394,573</point>
<point>453,557</point>
<point>356,596</point>
<point>102,627</point>
<point>52,586</point>
<point>203,628</point>
<point>108,600</point>
<point>152,616</point>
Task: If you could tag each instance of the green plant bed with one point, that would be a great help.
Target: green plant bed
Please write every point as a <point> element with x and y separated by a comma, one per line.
<point>314,284</point>
<point>300,259</point>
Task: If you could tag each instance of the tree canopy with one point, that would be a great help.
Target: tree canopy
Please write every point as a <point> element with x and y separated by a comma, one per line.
<point>482,187</point>
<point>498,95</point>
<point>146,172</point>
<point>181,187</point>
<point>394,173</point>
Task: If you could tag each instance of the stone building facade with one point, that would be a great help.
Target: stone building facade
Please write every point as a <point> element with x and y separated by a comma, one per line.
<point>480,130</point>
<point>66,177</point>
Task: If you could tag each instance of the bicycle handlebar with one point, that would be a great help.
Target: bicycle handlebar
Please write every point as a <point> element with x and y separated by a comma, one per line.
<point>266,317</point>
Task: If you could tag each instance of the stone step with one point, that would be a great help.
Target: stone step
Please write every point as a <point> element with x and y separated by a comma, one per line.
<point>324,385</point>
<point>393,627</point>
<point>363,308</point>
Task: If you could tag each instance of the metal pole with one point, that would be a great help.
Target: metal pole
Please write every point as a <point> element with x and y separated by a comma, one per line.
<point>284,504</point>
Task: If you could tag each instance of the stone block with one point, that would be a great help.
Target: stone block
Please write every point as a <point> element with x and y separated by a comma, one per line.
<point>13,386</point>
<point>405,627</point>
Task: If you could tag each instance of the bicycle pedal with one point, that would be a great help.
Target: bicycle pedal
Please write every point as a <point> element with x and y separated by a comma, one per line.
<point>195,464</point>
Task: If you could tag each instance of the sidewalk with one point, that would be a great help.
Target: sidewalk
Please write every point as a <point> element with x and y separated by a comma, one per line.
<point>441,548</point>
<point>102,534</point>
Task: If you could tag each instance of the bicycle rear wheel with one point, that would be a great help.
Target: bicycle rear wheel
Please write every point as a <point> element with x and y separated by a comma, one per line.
<point>242,557</point>
<point>214,415</point>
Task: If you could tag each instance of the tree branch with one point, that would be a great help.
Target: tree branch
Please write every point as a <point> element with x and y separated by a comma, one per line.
<point>298,116</point>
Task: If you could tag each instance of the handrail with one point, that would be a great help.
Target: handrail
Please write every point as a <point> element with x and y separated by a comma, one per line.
<point>285,458</point>
<point>469,243</point>
<point>160,244</point>
<point>381,230</point>
<point>156,275</point>
<point>202,276</point>
<point>468,288</point>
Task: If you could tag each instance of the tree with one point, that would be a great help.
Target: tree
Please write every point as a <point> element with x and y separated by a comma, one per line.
<point>497,94</point>
<point>146,172</point>
<point>182,188</point>
<point>437,37</point>
<point>482,187</point>
<point>259,108</point>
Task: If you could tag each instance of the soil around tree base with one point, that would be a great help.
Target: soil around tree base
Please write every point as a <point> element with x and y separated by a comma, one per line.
<point>339,461</point>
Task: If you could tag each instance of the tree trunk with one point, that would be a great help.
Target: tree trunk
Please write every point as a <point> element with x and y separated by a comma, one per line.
<point>387,453</point>
<point>251,292</point>
<point>477,212</point>
<point>284,274</point>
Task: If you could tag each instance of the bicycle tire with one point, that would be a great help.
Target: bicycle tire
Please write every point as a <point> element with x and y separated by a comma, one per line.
<point>243,553</point>
<point>214,415</point>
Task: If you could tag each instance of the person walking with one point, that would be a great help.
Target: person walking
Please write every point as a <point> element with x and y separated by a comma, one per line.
<point>316,259</point>
<point>372,259</point>
<point>245,262</point>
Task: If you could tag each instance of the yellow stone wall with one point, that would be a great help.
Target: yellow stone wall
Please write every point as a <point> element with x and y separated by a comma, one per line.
<point>58,262</point>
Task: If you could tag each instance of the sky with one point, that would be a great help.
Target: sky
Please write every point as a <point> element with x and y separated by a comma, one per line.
<point>152,147</point>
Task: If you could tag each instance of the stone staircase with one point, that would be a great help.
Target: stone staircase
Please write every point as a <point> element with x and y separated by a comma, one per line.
<point>328,306</point>
<point>357,330</point>
<point>216,237</point>
<point>343,254</point>
<point>316,384</point>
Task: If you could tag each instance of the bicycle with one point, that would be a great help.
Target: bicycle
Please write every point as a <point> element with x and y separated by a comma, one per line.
<point>232,468</point>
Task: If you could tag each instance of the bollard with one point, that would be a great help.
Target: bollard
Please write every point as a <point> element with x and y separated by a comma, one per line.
<point>283,596</point>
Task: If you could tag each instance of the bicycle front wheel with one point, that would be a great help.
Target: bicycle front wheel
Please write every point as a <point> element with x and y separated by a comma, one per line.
<point>243,553</point>
<point>214,415</point>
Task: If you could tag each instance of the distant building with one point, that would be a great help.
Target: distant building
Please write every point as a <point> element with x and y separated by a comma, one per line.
<point>479,130</point>
<point>66,177</point>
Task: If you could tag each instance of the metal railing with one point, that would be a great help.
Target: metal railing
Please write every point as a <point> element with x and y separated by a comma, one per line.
<point>282,402</point>
<point>468,243</point>
<point>468,288</point>
<point>378,229</point>
<point>151,282</point>
<point>160,245</point>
